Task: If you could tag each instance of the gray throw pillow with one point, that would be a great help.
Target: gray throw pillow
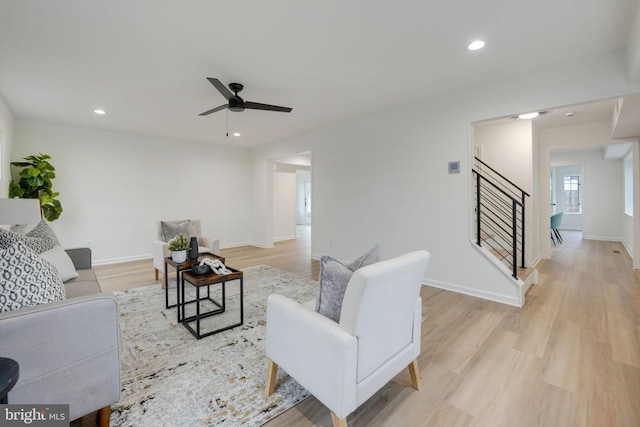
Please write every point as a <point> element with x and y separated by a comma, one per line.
<point>44,231</point>
<point>334,277</point>
<point>38,244</point>
<point>171,230</point>
<point>27,279</point>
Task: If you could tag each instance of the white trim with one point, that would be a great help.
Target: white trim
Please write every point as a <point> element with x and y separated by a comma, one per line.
<point>280,239</point>
<point>491,296</point>
<point>238,244</point>
<point>106,261</point>
<point>605,239</point>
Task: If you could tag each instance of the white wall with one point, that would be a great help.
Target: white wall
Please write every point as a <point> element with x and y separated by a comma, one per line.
<point>115,186</point>
<point>6,139</point>
<point>507,147</point>
<point>284,205</point>
<point>383,178</point>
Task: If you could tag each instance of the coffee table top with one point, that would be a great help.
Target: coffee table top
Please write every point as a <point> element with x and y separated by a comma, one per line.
<point>208,279</point>
<point>188,263</point>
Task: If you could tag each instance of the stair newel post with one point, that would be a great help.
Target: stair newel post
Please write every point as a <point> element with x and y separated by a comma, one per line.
<point>523,234</point>
<point>514,226</point>
<point>478,228</point>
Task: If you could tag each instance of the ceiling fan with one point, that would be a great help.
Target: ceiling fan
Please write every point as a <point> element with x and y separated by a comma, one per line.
<point>237,104</point>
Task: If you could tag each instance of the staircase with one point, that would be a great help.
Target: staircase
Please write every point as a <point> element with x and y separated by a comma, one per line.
<point>500,220</point>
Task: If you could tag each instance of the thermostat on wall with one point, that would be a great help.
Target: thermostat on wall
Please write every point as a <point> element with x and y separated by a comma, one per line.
<point>454,167</point>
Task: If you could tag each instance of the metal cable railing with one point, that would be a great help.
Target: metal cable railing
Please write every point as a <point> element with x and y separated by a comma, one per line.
<point>500,215</point>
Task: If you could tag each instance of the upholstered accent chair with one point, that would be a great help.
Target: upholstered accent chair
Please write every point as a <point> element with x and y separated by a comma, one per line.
<point>378,335</point>
<point>168,229</point>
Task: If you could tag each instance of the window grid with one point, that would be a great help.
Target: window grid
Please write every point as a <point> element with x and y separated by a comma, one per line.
<point>572,193</point>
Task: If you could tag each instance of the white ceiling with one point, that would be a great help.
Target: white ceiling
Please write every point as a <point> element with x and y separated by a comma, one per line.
<point>146,61</point>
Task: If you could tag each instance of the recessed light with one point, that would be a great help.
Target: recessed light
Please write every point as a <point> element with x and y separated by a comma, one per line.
<point>236,134</point>
<point>475,45</point>
<point>529,116</point>
<point>100,112</point>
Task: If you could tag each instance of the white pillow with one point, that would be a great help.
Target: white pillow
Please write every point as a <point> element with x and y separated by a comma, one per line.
<point>59,258</point>
<point>26,279</point>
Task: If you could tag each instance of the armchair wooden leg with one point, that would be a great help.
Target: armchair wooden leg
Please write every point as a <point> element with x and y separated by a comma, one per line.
<point>104,415</point>
<point>272,370</point>
<point>156,270</point>
<point>414,371</point>
<point>338,422</point>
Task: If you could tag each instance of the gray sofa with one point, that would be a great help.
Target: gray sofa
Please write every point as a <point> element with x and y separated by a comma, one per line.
<point>68,351</point>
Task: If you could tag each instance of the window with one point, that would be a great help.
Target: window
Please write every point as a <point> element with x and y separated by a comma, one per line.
<point>572,194</point>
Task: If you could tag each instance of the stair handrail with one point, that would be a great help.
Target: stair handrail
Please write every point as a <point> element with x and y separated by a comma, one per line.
<point>514,202</point>
<point>503,177</point>
<point>488,180</point>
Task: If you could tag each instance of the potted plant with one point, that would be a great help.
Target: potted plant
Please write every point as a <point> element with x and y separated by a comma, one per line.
<point>35,183</point>
<point>179,246</point>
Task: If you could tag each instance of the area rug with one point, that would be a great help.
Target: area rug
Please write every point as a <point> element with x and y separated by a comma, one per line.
<point>171,379</point>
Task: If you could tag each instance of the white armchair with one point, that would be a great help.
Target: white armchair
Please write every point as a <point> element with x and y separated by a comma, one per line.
<point>161,248</point>
<point>344,364</point>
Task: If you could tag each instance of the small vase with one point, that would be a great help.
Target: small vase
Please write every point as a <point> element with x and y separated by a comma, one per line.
<point>179,256</point>
<point>193,252</point>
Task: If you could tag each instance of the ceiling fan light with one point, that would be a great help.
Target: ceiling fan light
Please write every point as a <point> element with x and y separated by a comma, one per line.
<point>236,134</point>
<point>528,116</point>
<point>100,112</point>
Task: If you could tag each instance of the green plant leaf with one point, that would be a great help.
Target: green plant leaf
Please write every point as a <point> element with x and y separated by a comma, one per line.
<point>15,190</point>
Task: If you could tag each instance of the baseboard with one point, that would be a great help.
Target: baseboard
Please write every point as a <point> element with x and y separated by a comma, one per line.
<point>107,261</point>
<point>280,239</point>
<point>238,244</point>
<point>491,296</point>
<point>604,239</point>
<point>118,260</point>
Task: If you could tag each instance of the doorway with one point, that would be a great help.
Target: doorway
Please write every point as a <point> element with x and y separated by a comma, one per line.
<point>292,196</point>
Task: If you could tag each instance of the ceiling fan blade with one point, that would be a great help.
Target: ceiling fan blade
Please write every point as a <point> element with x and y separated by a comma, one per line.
<point>206,113</point>
<point>258,106</point>
<point>221,87</point>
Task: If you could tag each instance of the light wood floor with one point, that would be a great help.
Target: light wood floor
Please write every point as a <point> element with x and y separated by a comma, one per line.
<point>570,357</point>
<point>289,255</point>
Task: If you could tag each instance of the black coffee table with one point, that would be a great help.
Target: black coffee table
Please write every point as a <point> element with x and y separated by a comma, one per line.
<point>206,280</point>
<point>9,374</point>
<point>180,267</point>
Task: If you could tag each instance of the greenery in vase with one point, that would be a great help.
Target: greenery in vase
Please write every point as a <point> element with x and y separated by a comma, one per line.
<point>180,243</point>
<point>35,183</point>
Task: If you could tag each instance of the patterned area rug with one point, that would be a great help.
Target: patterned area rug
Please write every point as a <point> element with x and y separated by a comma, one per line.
<point>171,379</point>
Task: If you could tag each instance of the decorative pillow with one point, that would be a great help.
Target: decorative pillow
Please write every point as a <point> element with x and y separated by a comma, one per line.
<point>171,230</point>
<point>38,244</point>
<point>44,231</point>
<point>334,277</point>
<point>26,279</point>
<point>59,258</point>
